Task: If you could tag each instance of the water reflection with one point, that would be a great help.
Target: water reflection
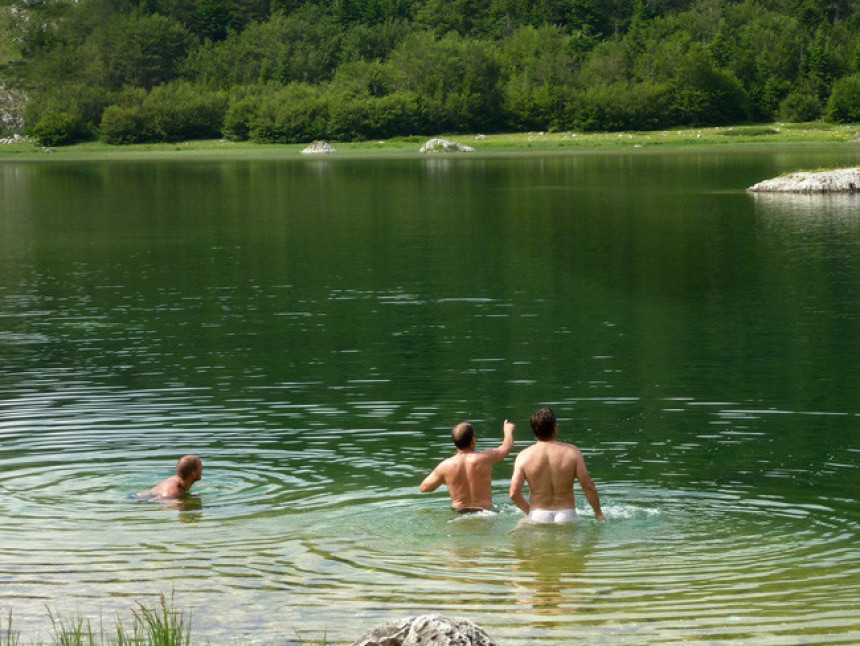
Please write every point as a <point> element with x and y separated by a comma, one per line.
<point>550,564</point>
<point>809,208</point>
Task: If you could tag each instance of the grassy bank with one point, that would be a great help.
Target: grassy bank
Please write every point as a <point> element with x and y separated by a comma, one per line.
<point>159,625</point>
<point>777,133</point>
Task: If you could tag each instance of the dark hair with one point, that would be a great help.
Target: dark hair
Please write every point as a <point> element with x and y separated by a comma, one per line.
<point>463,434</point>
<point>543,423</point>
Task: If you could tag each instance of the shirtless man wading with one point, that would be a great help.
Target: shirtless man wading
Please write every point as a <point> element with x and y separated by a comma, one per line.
<point>550,467</point>
<point>189,470</point>
<point>468,474</point>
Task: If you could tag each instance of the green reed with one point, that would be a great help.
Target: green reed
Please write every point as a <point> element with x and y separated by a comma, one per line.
<point>161,625</point>
<point>8,637</point>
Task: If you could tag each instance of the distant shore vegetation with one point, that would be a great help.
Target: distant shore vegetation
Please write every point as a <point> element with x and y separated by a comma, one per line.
<point>292,71</point>
<point>819,133</point>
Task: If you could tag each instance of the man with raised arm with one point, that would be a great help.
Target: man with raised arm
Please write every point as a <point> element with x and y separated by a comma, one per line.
<point>468,473</point>
<point>550,467</point>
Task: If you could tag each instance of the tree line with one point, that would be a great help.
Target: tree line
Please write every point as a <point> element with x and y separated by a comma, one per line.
<point>297,70</point>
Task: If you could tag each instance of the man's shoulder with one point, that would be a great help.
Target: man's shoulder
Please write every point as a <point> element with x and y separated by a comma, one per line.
<point>448,462</point>
<point>572,450</point>
<point>528,452</point>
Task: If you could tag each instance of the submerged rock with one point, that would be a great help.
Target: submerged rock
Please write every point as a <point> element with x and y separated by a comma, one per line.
<point>318,148</point>
<point>842,180</point>
<point>426,630</point>
<point>446,146</point>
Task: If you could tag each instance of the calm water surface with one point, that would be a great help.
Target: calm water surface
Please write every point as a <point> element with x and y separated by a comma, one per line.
<point>314,327</point>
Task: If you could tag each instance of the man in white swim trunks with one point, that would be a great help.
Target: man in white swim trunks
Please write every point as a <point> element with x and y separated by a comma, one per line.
<point>550,468</point>
<point>468,473</point>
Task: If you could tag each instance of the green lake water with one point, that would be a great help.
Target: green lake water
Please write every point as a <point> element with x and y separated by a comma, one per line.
<point>313,328</point>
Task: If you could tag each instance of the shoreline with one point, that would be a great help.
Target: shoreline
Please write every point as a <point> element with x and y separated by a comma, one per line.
<point>819,134</point>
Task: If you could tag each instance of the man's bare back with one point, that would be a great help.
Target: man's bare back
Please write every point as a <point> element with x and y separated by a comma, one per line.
<point>189,470</point>
<point>550,467</point>
<point>468,474</point>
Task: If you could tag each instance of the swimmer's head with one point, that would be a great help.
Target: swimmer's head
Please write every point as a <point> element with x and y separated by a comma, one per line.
<point>463,435</point>
<point>543,423</point>
<point>189,469</point>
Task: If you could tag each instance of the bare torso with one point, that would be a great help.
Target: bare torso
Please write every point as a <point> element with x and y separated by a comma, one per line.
<point>550,468</point>
<point>170,488</point>
<point>468,477</point>
<point>469,474</point>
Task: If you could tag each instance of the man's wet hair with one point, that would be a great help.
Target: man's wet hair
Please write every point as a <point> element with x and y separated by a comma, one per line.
<point>543,423</point>
<point>187,465</point>
<point>463,434</point>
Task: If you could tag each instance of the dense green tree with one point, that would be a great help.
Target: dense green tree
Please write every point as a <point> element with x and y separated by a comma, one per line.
<point>844,102</point>
<point>143,50</point>
<point>300,47</point>
<point>539,67</point>
<point>372,42</point>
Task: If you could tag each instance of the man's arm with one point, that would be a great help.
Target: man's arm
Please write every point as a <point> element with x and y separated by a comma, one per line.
<point>503,450</point>
<point>433,481</point>
<point>588,488</point>
<point>517,481</point>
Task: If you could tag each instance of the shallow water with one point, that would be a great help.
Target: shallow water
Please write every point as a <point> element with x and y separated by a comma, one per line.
<point>314,328</point>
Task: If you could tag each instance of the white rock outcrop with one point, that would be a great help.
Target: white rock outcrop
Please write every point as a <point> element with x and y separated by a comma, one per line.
<point>318,148</point>
<point>444,146</point>
<point>426,630</point>
<point>842,180</point>
<point>15,139</point>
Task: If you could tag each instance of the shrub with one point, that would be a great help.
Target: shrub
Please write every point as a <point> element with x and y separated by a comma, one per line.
<point>800,106</point>
<point>238,117</point>
<point>178,111</point>
<point>123,125</point>
<point>844,103</point>
<point>58,128</point>
<point>295,114</point>
<point>750,131</point>
<point>395,114</point>
<point>620,106</point>
<point>706,96</point>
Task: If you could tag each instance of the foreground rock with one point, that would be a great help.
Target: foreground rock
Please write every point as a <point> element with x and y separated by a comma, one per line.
<point>445,146</point>
<point>318,148</point>
<point>426,630</point>
<point>843,180</point>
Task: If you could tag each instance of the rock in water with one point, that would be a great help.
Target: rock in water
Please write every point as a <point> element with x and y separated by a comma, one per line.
<point>446,146</point>
<point>842,180</point>
<point>318,148</point>
<point>426,630</point>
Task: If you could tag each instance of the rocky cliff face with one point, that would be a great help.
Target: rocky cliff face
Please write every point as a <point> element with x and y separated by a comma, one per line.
<point>12,105</point>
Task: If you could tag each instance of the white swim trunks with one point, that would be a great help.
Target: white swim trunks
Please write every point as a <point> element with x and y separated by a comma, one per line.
<point>553,516</point>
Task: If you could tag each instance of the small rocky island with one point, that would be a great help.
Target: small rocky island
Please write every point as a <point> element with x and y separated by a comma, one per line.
<point>318,148</point>
<point>841,180</point>
<point>445,145</point>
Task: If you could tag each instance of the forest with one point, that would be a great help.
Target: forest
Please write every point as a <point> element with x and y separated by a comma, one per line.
<point>288,71</point>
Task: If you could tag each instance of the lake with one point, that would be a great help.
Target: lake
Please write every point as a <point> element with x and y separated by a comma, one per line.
<point>314,328</point>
